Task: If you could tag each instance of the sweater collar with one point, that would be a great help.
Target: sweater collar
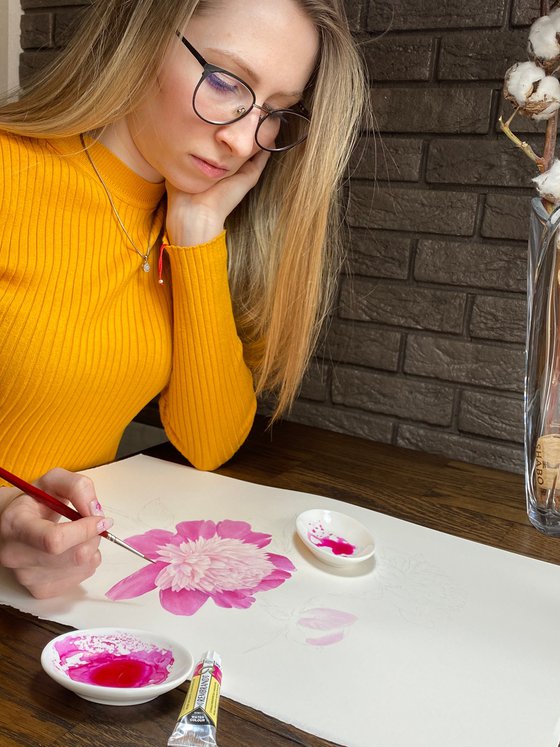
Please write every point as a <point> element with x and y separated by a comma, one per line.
<point>123,183</point>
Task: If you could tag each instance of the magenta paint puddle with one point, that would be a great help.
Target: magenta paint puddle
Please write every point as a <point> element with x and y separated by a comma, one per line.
<point>117,660</point>
<point>337,545</point>
<point>320,537</point>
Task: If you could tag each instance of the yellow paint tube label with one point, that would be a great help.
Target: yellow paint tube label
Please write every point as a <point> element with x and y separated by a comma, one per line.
<point>197,721</point>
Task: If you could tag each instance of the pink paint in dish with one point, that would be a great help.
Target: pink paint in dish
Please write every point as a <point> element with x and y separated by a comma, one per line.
<point>337,545</point>
<point>117,660</point>
<point>320,537</point>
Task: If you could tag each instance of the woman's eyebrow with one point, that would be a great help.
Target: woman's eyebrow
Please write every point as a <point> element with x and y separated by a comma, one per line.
<point>242,65</point>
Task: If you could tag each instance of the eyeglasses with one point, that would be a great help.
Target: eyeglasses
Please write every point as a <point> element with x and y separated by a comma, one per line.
<point>222,98</point>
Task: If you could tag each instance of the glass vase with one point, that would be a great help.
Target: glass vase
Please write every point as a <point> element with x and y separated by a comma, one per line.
<point>542,371</point>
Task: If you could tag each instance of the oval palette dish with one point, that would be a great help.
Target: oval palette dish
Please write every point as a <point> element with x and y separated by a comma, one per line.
<point>116,666</point>
<point>334,538</point>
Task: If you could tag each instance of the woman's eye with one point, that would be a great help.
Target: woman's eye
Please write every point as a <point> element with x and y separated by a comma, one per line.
<point>222,83</point>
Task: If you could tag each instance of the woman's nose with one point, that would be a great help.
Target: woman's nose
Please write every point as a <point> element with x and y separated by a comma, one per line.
<point>240,136</point>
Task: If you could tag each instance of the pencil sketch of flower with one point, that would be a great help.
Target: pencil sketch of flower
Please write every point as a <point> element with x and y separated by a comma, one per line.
<point>225,562</point>
<point>315,623</point>
<point>420,592</point>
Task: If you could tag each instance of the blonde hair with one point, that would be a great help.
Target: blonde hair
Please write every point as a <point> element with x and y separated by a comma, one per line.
<point>284,237</point>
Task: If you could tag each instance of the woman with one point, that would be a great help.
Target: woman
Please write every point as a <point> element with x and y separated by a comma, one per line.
<point>160,126</point>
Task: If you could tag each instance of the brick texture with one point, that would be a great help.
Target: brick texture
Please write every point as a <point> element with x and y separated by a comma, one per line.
<point>468,161</point>
<point>491,415</point>
<point>449,109</point>
<point>46,27</point>
<point>487,452</point>
<point>425,347</point>
<point>388,59</point>
<point>343,420</point>
<point>379,255</point>
<point>525,12</point>
<point>479,56</point>
<point>402,305</point>
<point>465,362</point>
<point>415,210</point>
<point>410,15</point>
<point>398,159</point>
<point>469,263</point>
<point>498,318</point>
<point>391,395</point>
<point>362,344</point>
<point>506,217</point>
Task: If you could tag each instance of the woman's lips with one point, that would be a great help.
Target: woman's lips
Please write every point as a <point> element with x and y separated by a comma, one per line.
<point>209,168</point>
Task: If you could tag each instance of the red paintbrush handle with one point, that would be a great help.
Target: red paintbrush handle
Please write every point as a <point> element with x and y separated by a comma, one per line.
<point>40,495</point>
<point>62,509</point>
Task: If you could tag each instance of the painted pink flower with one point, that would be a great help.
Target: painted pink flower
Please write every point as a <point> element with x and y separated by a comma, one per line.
<point>330,624</point>
<point>224,561</point>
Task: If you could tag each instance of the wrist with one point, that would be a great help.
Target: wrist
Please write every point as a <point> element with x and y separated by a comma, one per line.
<point>193,226</point>
<point>195,236</point>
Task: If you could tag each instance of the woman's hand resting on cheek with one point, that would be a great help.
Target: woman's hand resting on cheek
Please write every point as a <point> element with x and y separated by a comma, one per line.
<point>49,557</point>
<point>198,218</point>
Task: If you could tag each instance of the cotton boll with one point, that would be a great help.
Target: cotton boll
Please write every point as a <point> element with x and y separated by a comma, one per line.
<point>545,100</point>
<point>528,87</point>
<point>543,41</point>
<point>545,114</point>
<point>520,81</point>
<point>548,184</point>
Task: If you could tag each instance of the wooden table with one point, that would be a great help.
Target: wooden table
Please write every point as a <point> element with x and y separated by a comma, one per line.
<point>479,504</point>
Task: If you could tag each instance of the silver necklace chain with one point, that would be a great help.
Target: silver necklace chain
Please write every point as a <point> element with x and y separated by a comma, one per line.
<point>144,255</point>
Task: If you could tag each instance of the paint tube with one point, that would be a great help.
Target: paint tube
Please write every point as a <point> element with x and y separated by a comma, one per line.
<point>196,725</point>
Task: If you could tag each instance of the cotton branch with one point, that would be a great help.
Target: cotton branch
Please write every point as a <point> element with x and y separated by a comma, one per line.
<point>521,144</point>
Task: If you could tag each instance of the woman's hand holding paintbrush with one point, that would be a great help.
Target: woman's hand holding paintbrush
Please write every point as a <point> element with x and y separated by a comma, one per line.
<point>49,558</point>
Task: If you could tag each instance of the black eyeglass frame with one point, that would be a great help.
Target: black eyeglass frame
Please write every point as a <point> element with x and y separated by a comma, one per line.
<point>208,69</point>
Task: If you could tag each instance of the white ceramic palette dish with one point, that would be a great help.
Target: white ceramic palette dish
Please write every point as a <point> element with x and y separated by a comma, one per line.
<point>334,538</point>
<point>116,666</point>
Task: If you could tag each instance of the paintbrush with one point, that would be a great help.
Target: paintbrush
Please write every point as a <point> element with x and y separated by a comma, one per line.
<point>61,508</point>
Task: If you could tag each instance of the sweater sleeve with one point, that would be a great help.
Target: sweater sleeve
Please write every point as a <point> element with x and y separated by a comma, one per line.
<point>209,404</point>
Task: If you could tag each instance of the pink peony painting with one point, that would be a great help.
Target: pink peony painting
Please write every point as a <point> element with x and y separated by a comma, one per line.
<point>225,562</point>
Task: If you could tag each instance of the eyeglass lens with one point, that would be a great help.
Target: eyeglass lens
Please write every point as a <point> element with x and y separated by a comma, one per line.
<point>221,98</point>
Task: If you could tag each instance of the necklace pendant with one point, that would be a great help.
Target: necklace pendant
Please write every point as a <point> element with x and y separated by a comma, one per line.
<point>146,266</point>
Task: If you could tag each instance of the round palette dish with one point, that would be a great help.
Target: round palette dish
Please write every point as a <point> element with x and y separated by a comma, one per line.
<point>334,538</point>
<point>116,666</point>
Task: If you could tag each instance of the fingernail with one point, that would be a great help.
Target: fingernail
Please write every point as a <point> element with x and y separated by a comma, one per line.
<point>95,508</point>
<point>104,524</point>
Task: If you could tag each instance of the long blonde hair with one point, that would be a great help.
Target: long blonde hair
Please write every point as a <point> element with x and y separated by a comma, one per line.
<point>284,237</point>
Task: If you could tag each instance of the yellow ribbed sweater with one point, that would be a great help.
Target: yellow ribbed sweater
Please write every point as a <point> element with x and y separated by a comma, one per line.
<point>87,338</point>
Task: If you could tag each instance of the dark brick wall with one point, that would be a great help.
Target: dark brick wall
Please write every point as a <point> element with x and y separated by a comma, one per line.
<point>45,28</point>
<point>426,348</point>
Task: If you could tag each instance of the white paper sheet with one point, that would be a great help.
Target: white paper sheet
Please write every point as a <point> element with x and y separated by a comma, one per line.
<point>452,642</point>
